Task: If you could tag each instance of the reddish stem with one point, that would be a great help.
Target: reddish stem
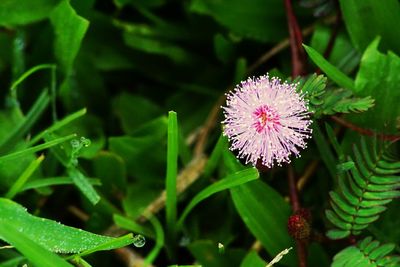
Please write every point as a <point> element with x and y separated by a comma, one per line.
<point>364,131</point>
<point>294,200</point>
<point>296,40</point>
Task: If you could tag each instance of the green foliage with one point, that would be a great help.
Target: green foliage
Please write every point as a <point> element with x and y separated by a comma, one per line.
<point>368,253</point>
<point>329,102</point>
<point>368,187</point>
<point>49,234</point>
<point>86,139</point>
<point>367,19</point>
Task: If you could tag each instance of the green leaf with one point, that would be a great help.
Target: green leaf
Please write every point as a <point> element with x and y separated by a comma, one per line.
<point>37,254</point>
<point>331,71</point>
<point>131,225</point>
<point>228,182</point>
<point>378,78</point>
<point>18,131</point>
<point>366,19</point>
<point>23,178</point>
<point>124,105</point>
<point>47,233</point>
<point>69,31</point>
<point>82,182</point>
<point>172,173</point>
<point>57,125</point>
<point>160,240</point>
<point>265,213</point>
<point>256,19</point>
<point>44,182</point>
<point>367,253</point>
<point>23,152</point>
<point>24,12</point>
<point>253,260</point>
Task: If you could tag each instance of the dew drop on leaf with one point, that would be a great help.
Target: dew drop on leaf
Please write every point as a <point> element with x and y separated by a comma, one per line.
<point>139,241</point>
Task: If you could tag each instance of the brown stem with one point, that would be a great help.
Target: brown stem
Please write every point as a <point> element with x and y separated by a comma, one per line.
<point>294,200</point>
<point>296,41</point>
<point>364,131</point>
<point>293,193</point>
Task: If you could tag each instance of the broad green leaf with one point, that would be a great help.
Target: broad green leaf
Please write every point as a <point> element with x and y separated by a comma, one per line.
<point>366,19</point>
<point>257,19</point>
<point>26,244</point>
<point>378,77</point>
<point>47,233</point>
<point>253,260</point>
<point>228,182</point>
<point>111,169</point>
<point>265,213</point>
<point>14,13</point>
<point>331,71</point>
<point>69,30</point>
<point>176,53</point>
<point>124,105</point>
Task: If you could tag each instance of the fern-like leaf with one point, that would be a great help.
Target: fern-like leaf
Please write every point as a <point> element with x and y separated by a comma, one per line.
<point>365,191</point>
<point>328,102</point>
<point>342,101</point>
<point>367,253</point>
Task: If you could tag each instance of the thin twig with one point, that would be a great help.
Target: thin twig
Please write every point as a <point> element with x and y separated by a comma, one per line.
<point>364,131</point>
<point>310,169</point>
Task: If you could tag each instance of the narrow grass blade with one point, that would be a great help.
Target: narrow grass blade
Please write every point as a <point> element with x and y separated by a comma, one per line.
<point>112,244</point>
<point>34,149</point>
<point>131,225</point>
<point>8,143</point>
<point>160,240</point>
<point>215,156</point>
<point>84,186</point>
<point>57,125</point>
<point>23,178</point>
<point>228,182</point>
<point>172,170</point>
<point>44,182</point>
<point>29,73</point>
<point>331,71</point>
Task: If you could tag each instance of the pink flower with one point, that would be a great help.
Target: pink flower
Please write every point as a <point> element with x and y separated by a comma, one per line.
<point>266,120</point>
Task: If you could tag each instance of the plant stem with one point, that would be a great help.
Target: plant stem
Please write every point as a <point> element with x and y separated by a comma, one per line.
<point>301,245</point>
<point>364,131</point>
<point>296,40</point>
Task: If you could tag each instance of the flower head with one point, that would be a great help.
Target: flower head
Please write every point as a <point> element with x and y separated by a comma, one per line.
<point>266,120</point>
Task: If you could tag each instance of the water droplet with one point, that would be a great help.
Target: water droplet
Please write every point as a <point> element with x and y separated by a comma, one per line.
<point>139,241</point>
<point>85,141</point>
<point>75,144</point>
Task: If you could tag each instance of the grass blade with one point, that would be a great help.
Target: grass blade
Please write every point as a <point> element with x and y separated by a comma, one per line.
<point>20,130</point>
<point>331,71</point>
<point>228,182</point>
<point>83,185</point>
<point>23,178</point>
<point>131,225</point>
<point>44,182</point>
<point>37,148</point>
<point>29,73</point>
<point>172,171</point>
<point>57,125</point>
<point>160,240</point>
